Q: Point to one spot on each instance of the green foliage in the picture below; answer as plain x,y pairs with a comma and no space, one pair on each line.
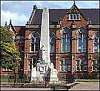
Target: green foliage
5,35
9,52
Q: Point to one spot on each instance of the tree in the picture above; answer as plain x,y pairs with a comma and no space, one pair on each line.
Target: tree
9,52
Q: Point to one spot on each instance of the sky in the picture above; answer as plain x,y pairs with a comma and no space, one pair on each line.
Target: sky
20,11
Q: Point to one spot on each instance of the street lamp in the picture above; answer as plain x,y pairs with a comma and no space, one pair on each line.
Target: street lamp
15,69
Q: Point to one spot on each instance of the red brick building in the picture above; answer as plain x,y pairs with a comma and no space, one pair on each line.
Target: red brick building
74,40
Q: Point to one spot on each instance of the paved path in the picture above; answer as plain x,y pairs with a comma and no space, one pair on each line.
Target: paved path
5,88
25,89
90,86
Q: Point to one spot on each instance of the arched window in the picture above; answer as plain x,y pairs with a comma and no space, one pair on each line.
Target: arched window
52,42
96,43
74,16
81,41
35,41
66,40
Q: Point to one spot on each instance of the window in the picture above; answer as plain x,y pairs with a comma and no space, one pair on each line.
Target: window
66,40
35,42
52,42
66,65
74,16
52,59
20,38
96,43
78,65
95,65
82,65
81,41
32,43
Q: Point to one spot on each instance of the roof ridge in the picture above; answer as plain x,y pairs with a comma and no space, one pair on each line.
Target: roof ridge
55,15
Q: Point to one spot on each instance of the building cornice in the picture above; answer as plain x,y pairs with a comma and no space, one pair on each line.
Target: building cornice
55,26
94,26
39,26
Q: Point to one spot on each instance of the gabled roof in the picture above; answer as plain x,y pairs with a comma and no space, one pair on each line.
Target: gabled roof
19,29
56,14
73,9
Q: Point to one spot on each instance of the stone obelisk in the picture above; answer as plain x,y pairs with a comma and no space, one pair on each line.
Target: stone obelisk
44,42
44,65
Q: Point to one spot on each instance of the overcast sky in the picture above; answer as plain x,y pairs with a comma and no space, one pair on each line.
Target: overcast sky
20,11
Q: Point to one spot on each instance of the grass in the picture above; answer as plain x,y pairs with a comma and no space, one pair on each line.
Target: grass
6,79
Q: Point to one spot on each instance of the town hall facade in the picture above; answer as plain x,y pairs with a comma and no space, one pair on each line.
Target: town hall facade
74,41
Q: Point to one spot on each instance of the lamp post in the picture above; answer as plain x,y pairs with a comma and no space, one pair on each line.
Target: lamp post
15,70
20,70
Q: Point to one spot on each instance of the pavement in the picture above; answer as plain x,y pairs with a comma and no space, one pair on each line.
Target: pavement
77,86
25,89
90,86
7,88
